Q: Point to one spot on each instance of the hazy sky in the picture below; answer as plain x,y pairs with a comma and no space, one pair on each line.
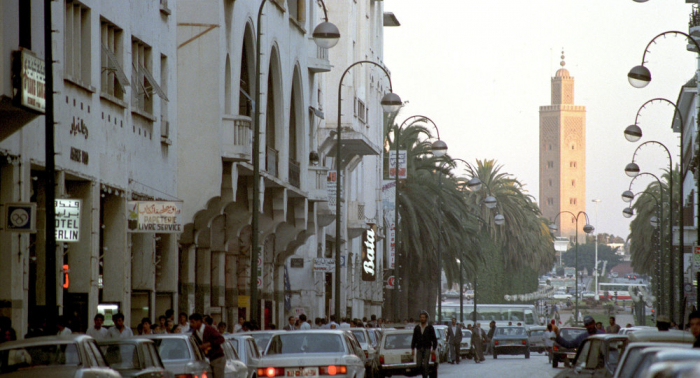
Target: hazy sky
482,69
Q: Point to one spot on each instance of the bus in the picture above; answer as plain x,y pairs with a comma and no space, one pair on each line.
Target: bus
607,290
500,313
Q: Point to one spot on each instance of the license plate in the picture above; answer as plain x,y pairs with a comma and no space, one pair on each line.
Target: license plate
571,356
406,358
303,372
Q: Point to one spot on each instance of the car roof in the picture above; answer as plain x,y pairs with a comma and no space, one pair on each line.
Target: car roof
397,331
675,353
607,336
237,336
45,340
673,335
134,340
167,336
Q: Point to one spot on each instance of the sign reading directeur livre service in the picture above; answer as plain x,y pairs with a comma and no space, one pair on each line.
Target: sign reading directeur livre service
32,81
154,216
68,220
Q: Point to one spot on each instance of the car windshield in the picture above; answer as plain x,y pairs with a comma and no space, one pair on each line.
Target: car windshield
510,331
360,336
234,344
466,334
121,356
40,355
373,337
398,341
172,349
261,339
615,349
306,342
569,334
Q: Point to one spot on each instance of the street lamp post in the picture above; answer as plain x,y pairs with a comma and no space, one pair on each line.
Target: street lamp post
587,228
391,103
438,151
640,77
326,35
596,201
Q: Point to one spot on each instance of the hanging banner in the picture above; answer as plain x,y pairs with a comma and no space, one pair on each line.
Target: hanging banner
388,199
155,216
68,220
402,164
369,257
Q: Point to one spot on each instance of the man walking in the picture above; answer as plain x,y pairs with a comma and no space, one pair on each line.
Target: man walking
425,341
119,331
478,336
612,328
290,326
98,332
694,320
489,337
454,340
210,341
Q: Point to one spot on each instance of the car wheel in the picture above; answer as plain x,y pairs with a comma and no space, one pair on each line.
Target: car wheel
495,355
527,354
434,373
555,363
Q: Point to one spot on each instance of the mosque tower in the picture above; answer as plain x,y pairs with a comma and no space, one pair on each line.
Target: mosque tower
563,156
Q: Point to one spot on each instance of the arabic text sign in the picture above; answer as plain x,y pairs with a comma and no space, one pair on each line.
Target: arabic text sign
68,220
402,164
324,265
33,89
155,216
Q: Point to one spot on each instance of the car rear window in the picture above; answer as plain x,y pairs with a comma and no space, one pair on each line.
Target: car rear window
398,341
172,349
41,355
510,331
360,336
311,342
121,356
569,334
536,333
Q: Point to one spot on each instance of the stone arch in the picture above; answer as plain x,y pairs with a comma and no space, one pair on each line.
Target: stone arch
227,85
247,73
296,117
274,115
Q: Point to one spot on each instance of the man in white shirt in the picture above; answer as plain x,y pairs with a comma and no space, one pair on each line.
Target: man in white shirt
304,324
119,331
184,324
98,332
239,326
61,324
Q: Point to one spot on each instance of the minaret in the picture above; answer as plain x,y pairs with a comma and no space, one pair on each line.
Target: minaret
563,156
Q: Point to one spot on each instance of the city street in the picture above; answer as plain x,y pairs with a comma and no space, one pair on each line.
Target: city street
504,366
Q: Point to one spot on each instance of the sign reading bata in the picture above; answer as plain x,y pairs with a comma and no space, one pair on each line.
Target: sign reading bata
155,216
369,258
68,220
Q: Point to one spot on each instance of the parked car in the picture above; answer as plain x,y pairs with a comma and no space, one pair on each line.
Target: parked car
395,356
651,356
559,353
375,334
597,357
638,341
137,357
262,338
235,368
443,348
247,351
465,348
54,356
470,294
371,354
536,335
510,340
180,354
675,369
560,295
628,330
312,353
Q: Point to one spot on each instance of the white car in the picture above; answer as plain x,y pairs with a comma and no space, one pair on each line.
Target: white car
395,355
561,295
312,354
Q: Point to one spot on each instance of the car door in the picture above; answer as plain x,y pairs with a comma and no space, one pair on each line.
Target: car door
158,367
355,356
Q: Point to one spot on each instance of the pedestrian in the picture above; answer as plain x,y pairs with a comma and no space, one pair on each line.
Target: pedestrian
62,325
171,327
146,327
239,326
291,326
182,323
425,341
599,326
454,341
221,327
7,333
591,329
489,337
119,331
373,321
694,320
162,326
97,331
304,324
209,320
170,315
549,337
555,329
663,323
478,337
674,325
210,341
613,327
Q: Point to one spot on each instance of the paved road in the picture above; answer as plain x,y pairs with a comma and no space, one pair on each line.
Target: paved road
505,366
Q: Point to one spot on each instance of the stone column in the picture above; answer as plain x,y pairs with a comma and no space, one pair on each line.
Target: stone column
186,287
116,272
202,298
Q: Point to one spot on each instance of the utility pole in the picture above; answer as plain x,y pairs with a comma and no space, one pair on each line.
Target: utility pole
596,201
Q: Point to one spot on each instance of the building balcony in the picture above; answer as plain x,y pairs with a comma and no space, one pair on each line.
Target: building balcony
357,222
318,58
318,177
272,162
354,145
237,142
294,174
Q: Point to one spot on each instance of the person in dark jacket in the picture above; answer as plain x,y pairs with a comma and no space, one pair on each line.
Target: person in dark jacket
694,320
454,340
425,341
489,337
210,341
591,329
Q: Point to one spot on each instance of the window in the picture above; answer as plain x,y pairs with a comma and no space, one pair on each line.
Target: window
361,111
77,42
573,182
550,147
113,79
164,123
550,201
572,201
550,164
145,85
550,182
297,10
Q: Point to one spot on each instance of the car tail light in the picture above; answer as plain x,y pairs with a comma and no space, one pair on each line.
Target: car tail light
366,354
332,370
432,357
270,372
204,375
524,342
556,348
381,358
186,376
495,342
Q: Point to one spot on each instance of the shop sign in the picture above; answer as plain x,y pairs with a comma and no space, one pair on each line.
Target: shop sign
322,264
369,257
32,87
155,216
20,217
296,262
68,220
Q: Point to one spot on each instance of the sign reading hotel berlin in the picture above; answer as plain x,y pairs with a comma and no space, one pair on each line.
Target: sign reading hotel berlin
154,216
32,89
369,257
68,220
